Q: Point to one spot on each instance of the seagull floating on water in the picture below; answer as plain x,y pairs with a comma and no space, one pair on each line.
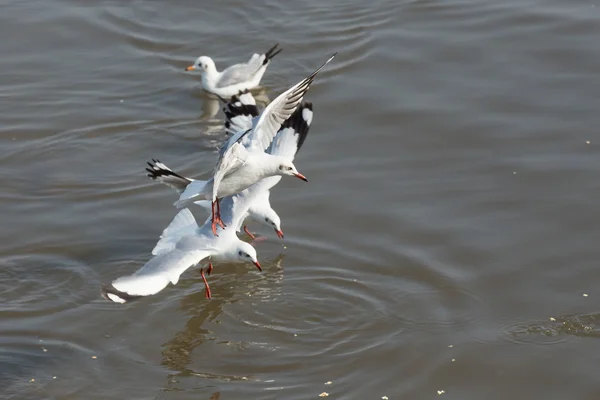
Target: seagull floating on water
243,161
184,244
240,111
235,78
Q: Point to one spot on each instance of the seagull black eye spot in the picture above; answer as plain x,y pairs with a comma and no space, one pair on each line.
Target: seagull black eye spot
267,220
240,253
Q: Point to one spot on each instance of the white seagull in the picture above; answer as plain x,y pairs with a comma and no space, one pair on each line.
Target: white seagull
243,161
235,78
184,244
240,112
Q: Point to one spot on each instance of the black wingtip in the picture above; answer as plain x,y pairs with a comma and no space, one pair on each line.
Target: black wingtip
272,52
232,110
298,123
155,172
105,290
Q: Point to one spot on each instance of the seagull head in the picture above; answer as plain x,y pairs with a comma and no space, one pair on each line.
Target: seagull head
247,253
288,168
271,218
202,64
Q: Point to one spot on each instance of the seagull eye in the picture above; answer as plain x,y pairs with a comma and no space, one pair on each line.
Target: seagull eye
289,168
240,253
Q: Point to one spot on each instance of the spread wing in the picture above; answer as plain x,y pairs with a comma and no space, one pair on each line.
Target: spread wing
183,224
232,156
293,132
154,276
279,110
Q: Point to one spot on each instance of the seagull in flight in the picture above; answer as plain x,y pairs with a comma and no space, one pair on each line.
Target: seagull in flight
184,244
240,111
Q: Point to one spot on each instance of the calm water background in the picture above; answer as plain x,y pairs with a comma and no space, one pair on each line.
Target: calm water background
452,207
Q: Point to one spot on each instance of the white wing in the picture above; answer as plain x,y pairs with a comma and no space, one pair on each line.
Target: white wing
154,276
279,110
231,161
182,225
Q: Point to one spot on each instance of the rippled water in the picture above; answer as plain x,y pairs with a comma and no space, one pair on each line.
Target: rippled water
442,247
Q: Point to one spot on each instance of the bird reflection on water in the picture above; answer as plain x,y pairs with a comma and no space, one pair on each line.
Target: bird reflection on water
177,353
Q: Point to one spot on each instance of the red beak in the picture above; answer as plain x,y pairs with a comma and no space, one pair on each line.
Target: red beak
279,233
300,176
258,265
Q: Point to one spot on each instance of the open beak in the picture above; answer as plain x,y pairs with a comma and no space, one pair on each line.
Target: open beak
190,68
279,233
258,265
300,176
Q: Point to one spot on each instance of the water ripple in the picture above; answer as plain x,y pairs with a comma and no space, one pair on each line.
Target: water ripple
48,284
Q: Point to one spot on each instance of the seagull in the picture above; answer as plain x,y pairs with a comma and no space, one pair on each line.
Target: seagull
184,244
236,77
243,161
240,111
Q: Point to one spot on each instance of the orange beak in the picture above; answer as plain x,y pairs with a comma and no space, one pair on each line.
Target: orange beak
190,68
279,233
300,176
258,265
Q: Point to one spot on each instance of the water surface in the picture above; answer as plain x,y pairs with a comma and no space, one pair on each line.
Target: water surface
452,208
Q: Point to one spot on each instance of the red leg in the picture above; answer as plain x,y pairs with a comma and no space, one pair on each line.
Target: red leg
214,220
248,233
206,287
209,269
219,220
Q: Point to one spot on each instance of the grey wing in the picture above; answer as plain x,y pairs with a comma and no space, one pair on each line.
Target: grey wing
238,73
279,110
293,132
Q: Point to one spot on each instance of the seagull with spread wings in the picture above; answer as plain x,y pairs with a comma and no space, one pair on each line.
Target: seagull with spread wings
239,112
184,244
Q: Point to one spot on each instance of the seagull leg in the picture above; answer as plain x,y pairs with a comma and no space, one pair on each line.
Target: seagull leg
206,287
219,220
209,269
248,233
214,219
